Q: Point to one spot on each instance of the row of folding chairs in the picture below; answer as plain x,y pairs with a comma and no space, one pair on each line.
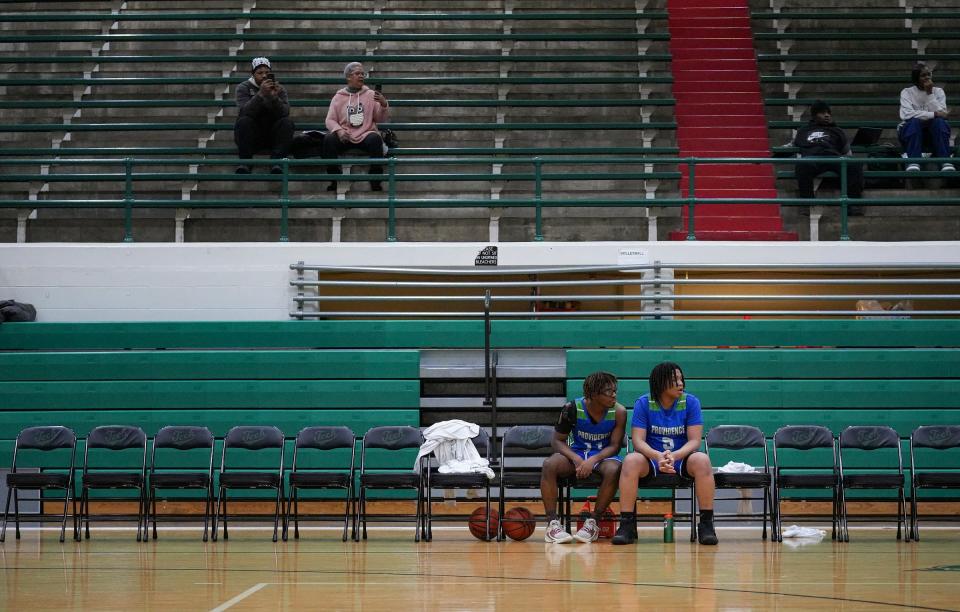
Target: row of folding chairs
149,477
811,458
522,450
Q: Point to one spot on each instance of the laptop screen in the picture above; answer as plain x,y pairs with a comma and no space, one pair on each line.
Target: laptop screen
867,136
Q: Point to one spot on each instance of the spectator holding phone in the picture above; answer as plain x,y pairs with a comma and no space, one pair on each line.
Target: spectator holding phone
263,119
352,121
924,112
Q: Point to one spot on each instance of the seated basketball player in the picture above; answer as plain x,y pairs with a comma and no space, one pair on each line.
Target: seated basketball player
667,427
588,437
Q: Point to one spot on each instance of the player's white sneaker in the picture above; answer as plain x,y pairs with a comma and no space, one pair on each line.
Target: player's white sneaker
588,533
556,533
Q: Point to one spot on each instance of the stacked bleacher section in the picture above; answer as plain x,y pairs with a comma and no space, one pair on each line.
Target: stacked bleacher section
857,58
476,93
488,81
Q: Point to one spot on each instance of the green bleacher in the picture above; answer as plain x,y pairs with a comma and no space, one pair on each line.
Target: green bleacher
360,373
766,373
463,81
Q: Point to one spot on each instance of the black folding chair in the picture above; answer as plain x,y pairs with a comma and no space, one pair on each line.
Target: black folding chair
116,459
523,449
388,471
746,444
818,470
882,469
248,439
338,473
934,464
35,446
179,444
470,481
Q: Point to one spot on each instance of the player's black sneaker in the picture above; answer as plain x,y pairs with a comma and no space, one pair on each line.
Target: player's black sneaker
706,533
626,532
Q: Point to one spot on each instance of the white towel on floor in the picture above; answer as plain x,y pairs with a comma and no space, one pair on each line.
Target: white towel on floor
795,536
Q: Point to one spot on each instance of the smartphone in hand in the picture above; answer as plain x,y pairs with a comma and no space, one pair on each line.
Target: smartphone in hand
378,87
271,77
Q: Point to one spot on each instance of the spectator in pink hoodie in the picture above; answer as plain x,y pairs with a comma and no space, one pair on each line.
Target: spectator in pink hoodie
352,122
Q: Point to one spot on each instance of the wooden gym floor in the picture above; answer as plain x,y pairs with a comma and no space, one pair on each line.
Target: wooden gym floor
112,571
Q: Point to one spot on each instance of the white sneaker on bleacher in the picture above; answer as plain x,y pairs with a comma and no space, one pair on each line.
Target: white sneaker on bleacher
913,168
947,167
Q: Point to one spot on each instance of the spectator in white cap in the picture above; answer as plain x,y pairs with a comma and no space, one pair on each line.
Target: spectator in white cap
352,121
263,117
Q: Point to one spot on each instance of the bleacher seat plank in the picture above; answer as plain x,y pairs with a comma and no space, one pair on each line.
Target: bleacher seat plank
206,365
775,395
208,394
919,333
771,363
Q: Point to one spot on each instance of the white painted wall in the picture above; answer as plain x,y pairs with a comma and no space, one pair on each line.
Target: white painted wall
250,281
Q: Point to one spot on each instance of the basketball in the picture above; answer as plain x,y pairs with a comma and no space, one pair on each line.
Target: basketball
478,524
519,524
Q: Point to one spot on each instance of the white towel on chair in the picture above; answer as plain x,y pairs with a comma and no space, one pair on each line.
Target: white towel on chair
735,467
451,442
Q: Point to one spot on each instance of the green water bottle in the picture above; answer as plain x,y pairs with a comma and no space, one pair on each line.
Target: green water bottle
668,528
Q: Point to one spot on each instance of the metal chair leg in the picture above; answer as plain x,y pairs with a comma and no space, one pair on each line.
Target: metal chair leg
207,510
6,514
276,514
16,512
63,521
216,513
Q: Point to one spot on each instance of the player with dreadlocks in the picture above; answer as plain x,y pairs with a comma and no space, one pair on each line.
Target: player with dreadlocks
667,427
587,440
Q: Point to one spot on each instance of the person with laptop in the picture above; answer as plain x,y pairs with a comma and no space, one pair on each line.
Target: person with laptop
821,137
924,112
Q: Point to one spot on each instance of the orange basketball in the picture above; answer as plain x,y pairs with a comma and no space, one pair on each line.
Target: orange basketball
479,526
519,523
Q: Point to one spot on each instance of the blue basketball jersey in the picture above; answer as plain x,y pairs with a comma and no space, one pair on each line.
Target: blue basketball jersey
667,427
587,437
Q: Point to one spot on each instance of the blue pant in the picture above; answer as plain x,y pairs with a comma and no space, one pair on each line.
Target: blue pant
912,133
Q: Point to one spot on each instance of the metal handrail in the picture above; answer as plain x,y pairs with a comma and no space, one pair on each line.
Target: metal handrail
662,301
391,202
650,314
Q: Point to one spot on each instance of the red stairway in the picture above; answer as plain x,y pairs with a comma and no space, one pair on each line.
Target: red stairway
720,113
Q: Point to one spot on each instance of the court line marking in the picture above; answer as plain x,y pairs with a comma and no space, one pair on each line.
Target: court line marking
231,602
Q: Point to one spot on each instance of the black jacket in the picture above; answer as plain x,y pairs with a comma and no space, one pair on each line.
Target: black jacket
816,140
252,105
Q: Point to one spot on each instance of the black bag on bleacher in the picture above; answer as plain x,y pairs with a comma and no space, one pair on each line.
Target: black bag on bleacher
884,151
389,138
307,144
17,311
